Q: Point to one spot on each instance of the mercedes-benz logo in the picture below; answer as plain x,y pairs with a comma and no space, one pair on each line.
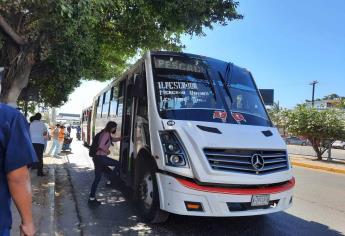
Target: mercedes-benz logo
258,162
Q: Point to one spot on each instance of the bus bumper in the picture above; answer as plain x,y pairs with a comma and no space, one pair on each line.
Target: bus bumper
176,195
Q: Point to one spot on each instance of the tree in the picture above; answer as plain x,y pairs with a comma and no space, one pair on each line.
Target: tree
318,127
52,45
331,96
279,117
341,104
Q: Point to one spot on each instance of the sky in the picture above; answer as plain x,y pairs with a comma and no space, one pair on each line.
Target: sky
285,44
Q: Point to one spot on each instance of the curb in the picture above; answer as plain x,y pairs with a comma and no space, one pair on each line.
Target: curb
51,197
318,167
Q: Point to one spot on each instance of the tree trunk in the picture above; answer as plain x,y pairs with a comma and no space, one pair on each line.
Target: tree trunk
16,77
318,153
16,56
316,146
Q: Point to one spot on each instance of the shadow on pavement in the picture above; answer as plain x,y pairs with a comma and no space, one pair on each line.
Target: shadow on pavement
118,216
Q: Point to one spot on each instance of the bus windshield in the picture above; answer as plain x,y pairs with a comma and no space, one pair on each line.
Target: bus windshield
190,89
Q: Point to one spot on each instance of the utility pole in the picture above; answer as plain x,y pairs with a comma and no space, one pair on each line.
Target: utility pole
313,84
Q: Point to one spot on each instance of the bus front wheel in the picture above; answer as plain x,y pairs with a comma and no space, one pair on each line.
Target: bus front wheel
148,198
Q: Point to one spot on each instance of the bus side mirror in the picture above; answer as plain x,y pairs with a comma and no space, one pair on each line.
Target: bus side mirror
267,96
139,86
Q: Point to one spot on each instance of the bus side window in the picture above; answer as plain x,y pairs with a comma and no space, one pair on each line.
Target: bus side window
99,106
120,100
142,134
106,102
120,107
113,103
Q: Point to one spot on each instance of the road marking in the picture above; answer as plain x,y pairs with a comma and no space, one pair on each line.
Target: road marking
321,168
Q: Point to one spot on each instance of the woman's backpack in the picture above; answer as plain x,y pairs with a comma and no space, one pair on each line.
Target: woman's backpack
94,145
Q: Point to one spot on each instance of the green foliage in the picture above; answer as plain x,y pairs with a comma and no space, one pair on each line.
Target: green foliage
341,104
94,39
317,126
279,116
331,96
29,108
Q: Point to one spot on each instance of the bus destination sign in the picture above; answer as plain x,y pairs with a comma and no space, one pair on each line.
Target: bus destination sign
174,64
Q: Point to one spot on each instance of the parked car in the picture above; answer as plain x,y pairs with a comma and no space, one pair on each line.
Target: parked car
339,144
296,141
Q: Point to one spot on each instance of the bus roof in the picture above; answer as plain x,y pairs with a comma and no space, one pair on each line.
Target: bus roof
170,53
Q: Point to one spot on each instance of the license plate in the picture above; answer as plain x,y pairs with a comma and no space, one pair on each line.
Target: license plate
260,200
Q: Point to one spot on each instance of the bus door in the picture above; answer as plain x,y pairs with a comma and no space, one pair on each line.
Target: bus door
126,144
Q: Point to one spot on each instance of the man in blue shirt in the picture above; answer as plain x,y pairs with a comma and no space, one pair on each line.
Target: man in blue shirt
16,152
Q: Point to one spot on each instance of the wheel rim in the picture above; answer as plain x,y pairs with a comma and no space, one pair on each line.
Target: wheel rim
146,191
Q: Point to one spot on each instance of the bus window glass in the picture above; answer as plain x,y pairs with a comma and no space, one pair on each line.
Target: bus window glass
244,97
113,102
120,107
184,89
105,107
107,96
114,93
113,107
203,90
99,107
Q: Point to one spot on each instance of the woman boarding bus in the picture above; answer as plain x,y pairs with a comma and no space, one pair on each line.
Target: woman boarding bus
200,139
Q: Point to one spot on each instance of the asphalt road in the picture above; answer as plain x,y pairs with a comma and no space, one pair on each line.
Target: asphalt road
319,209
308,151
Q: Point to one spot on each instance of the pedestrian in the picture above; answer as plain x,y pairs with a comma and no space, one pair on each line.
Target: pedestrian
16,152
38,133
55,140
101,160
61,138
31,119
69,129
78,135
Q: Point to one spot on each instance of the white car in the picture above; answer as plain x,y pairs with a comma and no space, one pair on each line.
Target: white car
339,144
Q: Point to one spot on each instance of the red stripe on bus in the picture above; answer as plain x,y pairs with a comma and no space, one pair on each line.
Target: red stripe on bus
239,191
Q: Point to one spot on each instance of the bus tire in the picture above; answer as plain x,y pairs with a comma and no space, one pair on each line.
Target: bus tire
148,198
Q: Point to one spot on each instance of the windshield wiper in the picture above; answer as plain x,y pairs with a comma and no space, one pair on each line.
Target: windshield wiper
211,83
225,85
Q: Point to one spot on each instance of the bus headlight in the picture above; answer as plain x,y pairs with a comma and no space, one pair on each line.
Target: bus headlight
177,160
175,155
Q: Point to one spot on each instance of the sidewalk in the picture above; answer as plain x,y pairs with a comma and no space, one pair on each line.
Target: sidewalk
334,166
43,191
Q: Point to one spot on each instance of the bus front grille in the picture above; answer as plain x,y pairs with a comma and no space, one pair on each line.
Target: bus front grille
257,162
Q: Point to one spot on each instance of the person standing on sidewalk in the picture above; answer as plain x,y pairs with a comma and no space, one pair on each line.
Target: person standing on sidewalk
16,152
38,133
55,140
101,160
61,138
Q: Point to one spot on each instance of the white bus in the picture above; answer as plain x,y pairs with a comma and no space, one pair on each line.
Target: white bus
200,140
